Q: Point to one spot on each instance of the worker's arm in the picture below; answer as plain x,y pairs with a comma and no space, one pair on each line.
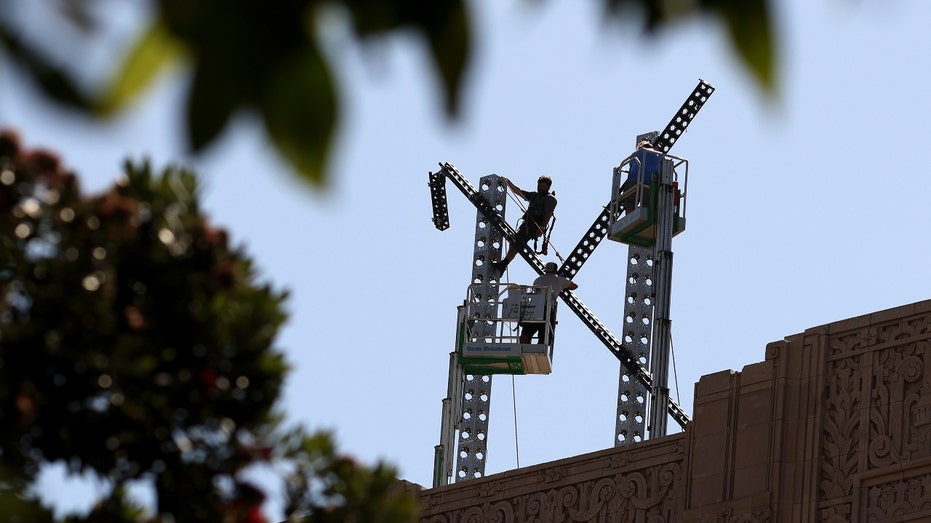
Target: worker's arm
517,190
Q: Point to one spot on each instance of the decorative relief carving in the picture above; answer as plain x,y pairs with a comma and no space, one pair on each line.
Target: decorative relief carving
584,504
897,384
492,489
772,351
681,448
898,498
911,328
892,382
917,406
839,446
849,342
554,475
621,460
643,495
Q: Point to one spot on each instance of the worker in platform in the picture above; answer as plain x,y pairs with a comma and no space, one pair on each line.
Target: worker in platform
557,284
540,207
644,168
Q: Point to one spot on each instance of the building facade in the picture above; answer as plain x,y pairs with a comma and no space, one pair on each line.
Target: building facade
833,426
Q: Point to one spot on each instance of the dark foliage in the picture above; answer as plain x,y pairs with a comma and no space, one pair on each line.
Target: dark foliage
135,343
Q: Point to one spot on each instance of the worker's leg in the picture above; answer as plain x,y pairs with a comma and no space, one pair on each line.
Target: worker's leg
522,236
528,330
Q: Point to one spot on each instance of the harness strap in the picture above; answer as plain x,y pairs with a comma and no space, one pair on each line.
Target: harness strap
546,237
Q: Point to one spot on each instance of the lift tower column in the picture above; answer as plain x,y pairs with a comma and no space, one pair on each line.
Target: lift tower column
649,275
639,299
473,391
650,203
662,271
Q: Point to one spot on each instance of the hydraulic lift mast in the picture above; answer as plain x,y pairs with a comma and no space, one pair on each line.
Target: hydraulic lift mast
649,281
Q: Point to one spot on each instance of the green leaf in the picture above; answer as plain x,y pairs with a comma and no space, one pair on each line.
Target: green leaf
213,98
450,46
749,27
53,81
299,107
152,52
444,25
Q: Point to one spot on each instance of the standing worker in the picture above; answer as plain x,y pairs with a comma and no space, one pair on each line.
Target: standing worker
644,169
539,211
557,284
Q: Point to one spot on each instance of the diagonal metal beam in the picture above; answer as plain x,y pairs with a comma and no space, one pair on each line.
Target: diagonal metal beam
683,117
586,246
663,142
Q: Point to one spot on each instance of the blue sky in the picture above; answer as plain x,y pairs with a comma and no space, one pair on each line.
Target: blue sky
801,211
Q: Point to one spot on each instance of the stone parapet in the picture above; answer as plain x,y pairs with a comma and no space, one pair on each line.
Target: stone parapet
642,482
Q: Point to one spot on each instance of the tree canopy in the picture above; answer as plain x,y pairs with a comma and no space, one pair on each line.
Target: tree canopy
137,344
267,57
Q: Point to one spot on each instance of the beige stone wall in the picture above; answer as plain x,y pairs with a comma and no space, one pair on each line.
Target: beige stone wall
834,425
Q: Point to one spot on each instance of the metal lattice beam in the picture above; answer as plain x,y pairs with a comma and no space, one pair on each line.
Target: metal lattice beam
683,117
476,391
586,246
